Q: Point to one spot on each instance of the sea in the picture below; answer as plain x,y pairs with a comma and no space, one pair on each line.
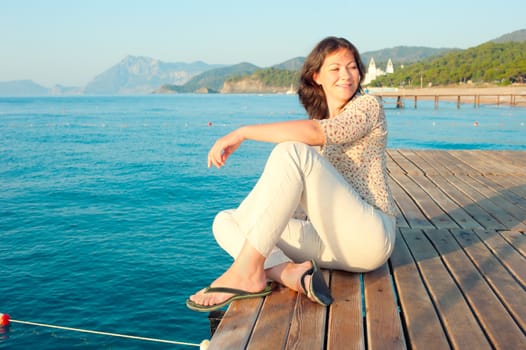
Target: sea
106,204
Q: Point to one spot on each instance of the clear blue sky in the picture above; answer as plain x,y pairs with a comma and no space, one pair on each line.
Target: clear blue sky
69,42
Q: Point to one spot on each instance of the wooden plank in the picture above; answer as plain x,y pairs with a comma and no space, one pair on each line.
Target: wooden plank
514,184
499,206
307,328
412,213
392,166
346,328
462,183
401,221
271,329
515,157
507,163
462,196
517,240
472,159
437,162
475,160
448,163
384,329
425,203
502,162
421,162
508,201
404,163
462,328
520,184
513,261
498,183
422,324
236,326
502,282
453,216
434,160
499,326
449,201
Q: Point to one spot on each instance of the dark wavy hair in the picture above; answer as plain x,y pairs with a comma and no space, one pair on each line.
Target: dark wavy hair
311,94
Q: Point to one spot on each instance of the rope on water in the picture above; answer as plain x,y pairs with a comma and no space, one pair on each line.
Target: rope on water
203,345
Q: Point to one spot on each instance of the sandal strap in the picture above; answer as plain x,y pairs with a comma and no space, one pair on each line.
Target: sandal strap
309,272
232,290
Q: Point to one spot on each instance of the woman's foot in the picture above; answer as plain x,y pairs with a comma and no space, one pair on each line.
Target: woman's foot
245,282
303,278
315,287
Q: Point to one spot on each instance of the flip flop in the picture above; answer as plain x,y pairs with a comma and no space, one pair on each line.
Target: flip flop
238,294
317,288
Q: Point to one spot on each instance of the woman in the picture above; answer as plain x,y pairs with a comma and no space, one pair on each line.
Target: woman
340,186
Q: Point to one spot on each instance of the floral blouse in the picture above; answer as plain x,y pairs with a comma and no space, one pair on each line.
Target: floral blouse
355,142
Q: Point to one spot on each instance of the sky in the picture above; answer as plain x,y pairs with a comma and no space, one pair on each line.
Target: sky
69,42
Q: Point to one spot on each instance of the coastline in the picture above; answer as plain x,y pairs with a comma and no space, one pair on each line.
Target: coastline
487,95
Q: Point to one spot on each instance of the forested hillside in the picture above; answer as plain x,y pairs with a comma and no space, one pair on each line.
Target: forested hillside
497,63
272,77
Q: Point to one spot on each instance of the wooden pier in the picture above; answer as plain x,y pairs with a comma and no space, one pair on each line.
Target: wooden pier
456,280
399,99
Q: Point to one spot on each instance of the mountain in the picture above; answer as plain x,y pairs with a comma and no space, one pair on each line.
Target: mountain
22,88
293,64
516,36
210,80
248,78
141,75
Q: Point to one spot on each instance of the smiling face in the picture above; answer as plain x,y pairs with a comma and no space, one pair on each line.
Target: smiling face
339,78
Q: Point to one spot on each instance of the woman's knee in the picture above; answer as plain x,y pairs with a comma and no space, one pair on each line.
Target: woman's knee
297,153
227,233
222,224
291,147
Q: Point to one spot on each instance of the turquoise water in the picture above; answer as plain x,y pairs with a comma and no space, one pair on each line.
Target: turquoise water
106,204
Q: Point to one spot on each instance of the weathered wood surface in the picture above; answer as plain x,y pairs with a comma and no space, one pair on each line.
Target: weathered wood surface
456,279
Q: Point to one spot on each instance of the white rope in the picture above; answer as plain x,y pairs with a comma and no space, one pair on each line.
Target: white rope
203,345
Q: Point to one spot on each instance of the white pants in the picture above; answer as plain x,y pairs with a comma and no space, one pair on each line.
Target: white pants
342,230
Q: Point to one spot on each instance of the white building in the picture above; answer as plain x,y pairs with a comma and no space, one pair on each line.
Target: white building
374,72
389,69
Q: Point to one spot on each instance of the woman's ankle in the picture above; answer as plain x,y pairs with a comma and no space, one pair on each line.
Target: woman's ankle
289,274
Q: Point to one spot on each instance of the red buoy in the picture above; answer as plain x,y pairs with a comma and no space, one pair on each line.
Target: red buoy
4,320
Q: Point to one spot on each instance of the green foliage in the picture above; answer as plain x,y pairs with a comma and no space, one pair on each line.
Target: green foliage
214,79
277,77
271,77
500,63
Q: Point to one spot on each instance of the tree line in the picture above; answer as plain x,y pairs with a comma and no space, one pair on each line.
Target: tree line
497,63
271,77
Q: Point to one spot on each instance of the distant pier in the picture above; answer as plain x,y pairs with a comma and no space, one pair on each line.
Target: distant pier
401,98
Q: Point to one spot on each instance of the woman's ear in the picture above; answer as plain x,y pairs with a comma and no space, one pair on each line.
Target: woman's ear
315,78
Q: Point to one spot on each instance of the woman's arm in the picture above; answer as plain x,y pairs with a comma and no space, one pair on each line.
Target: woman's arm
306,131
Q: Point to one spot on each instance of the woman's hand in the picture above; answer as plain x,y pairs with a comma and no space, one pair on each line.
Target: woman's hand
223,148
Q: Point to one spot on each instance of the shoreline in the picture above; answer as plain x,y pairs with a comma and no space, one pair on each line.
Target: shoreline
486,95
